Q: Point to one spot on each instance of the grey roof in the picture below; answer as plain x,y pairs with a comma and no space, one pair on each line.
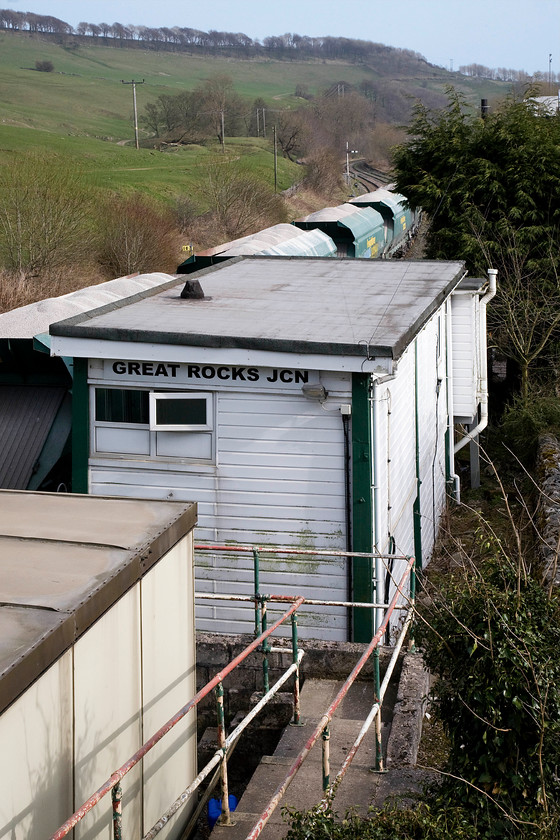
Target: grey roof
26,416
35,318
64,560
343,307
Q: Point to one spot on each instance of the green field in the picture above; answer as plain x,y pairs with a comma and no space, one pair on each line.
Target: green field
83,112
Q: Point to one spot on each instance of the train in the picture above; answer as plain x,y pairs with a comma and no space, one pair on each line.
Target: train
375,225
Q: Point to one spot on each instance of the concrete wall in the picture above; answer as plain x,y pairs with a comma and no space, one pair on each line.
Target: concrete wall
91,710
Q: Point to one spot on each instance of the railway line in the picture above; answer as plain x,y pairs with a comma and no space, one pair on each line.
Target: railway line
370,177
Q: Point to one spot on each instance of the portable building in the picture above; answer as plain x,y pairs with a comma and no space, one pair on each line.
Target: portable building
304,403
97,652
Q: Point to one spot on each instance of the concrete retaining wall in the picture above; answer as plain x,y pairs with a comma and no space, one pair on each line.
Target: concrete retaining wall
548,479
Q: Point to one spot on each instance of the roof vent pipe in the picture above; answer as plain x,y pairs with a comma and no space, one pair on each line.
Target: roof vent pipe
192,290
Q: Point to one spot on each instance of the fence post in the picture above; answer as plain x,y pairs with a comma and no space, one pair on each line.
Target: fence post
295,661
116,796
377,692
413,584
257,584
225,817
265,646
326,758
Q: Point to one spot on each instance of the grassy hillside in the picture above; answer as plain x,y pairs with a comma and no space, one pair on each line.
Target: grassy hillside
84,94
165,175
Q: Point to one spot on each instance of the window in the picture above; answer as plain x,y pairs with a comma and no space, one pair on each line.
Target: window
167,425
180,412
115,406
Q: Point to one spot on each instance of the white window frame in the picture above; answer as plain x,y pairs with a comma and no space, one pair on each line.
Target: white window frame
156,396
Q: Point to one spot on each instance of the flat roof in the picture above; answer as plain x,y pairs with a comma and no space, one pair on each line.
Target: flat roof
64,560
344,307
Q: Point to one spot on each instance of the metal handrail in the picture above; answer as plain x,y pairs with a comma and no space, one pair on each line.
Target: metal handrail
113,782
322,726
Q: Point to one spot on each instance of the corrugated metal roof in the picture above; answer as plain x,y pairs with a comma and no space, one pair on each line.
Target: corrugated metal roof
31,320
64,560
339,307
26,415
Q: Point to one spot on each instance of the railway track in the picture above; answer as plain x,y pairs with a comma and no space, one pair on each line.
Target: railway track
370,177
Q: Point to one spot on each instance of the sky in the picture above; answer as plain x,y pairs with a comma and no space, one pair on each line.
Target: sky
515,34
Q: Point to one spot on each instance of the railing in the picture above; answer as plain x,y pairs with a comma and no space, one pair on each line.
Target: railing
322,727
113,782
225,744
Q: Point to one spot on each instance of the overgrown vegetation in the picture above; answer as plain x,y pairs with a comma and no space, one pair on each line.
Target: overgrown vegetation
490,633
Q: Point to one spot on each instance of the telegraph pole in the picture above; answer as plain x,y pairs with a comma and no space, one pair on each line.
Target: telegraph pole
134,83
275,162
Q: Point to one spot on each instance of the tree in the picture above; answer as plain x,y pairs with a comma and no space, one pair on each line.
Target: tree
44,66
491,189
291,133
137,235
483,182
45,216
239,202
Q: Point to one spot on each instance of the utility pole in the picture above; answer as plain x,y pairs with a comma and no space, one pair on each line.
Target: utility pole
258,127
275,161
134,83
223,132
264,123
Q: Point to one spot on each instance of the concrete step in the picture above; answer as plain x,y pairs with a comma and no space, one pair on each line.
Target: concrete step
359,786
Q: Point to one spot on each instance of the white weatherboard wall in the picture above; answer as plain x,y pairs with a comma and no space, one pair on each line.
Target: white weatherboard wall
465,308
397,479
91,710
276,476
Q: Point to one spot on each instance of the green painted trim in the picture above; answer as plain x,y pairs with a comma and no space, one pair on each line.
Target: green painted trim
80,427
417,510
362,506
449,430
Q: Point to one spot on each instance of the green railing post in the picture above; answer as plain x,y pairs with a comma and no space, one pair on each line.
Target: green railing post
326,758
225,817
257,584
377,692
265,645
295,661
413,584
116,796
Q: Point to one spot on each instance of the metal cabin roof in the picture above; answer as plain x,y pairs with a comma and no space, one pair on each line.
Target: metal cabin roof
26,416
359,220
35,318
350,308
64,560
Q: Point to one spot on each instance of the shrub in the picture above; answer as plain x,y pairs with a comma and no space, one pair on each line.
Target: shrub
44,66
524,420
137,235
492,637
45,216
